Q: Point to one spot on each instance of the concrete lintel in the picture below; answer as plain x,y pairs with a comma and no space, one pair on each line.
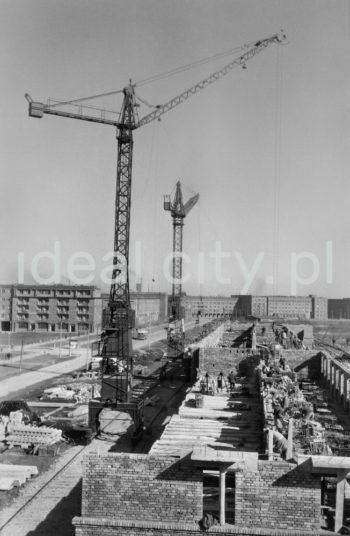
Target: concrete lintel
323,464
232,459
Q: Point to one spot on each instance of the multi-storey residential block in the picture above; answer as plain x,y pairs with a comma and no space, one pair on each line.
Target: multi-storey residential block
319,308
339,308
289,306
209,306
68,308
6,292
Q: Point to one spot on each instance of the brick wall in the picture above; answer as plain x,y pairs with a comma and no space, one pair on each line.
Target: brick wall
141,495
107,527
216,360
278,496
135,486
306,363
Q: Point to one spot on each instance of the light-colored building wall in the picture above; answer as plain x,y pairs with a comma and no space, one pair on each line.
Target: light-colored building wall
5,307
319,308
149,307
289,306
71,308
209,306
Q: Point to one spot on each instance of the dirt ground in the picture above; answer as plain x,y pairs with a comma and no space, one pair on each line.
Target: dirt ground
18,456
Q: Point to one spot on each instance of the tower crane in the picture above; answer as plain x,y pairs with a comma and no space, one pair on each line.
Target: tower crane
116,345
178,211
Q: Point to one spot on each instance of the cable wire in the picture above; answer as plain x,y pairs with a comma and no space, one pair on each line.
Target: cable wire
188,66
73,101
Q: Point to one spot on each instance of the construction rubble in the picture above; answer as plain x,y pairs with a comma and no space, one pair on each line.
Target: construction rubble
79,392
298,411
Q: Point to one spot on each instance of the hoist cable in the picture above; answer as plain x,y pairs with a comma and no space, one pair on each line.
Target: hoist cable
188,66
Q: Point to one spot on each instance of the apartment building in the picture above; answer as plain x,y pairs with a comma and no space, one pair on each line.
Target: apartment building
6,292
289,306
319,308
71,308
209,306
339,308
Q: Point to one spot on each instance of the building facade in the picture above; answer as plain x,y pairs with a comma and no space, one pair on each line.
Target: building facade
339,308
149,307
6,292
250,305
209,306
289,306
245,305
49,308
319,308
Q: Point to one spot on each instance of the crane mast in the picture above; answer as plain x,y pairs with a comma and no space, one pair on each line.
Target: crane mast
178,211
115,344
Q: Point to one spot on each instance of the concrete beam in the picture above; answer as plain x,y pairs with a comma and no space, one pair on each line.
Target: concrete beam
339,505
222,496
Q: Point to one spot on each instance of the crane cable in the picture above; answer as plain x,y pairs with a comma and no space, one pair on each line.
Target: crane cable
277,174
155,78
186,67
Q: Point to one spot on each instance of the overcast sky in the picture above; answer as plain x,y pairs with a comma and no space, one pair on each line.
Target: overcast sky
267,148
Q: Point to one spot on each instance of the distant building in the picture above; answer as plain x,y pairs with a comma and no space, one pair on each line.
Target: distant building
6,292
249,305
209,306
149,307
46,308
303,307
289,306
319,308
339,308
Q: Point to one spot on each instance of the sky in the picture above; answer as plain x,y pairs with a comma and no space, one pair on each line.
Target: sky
266,147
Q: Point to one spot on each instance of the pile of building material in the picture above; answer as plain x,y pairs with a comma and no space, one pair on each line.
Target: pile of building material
15,475
58,393
77,392
15,431
140,370
27,435
80,414
10,406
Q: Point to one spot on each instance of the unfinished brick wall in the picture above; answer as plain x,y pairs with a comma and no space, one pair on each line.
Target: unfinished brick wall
91,527
278,496
229,337
141,495
141,487
306,363
215,360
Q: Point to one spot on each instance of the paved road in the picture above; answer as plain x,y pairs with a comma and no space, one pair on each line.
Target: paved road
81,359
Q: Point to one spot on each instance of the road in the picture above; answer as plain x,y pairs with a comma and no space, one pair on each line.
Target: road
80,360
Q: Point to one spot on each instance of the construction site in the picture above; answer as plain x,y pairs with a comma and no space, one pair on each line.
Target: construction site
228,426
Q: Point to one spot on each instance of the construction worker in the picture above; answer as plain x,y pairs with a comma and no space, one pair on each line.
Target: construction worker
232,380
219,381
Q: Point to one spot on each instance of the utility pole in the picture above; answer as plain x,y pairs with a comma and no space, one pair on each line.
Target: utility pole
21,356
87,352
